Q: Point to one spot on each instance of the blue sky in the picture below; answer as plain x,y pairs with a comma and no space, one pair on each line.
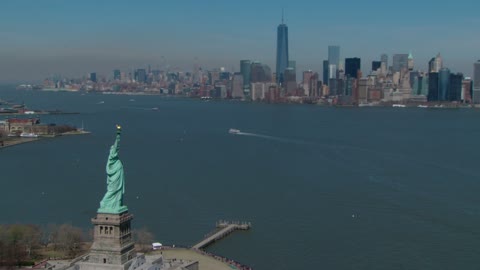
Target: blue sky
39,38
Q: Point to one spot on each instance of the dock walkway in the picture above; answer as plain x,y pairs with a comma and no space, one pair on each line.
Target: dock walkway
224,228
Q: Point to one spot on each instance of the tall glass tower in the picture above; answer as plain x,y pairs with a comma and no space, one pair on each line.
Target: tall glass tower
282,51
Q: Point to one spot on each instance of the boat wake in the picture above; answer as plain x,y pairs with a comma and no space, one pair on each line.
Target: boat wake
272,138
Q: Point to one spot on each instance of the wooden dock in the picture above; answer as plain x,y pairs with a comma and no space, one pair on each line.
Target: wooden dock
224,228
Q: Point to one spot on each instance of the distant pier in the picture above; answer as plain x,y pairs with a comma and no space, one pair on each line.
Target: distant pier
224,228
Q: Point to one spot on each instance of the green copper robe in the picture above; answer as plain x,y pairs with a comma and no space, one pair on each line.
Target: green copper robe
112,202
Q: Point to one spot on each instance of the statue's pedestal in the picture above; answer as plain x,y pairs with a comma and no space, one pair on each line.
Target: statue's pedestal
113,246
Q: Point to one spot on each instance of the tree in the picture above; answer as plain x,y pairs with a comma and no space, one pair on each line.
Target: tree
69,239
144,238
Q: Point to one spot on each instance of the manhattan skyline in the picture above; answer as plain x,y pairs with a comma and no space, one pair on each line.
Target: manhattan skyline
70,38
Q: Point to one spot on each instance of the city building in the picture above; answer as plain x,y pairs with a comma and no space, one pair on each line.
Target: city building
400,62
307,76
376,65
476,82
141,75
325,72
467,90
282,51
455,87
384,60
260,72
435,64
290,81
237,86
117,75
245,69
352,66
433,94
93,77
443,84
333,60
410,62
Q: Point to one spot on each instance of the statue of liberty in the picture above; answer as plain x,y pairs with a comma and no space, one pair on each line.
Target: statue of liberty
112,202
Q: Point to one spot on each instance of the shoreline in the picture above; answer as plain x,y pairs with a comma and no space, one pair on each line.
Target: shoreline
13,141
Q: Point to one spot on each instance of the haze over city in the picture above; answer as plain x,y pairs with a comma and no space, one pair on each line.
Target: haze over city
40,38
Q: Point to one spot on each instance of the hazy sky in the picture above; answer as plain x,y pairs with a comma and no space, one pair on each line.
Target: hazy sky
40,38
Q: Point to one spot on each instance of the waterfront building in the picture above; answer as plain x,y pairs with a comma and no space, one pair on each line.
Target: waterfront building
476,82
290,81
307,76
443,84
467,89
282,51
352,66
433,94
314,86
325,72
237,86
245,69
400,62
260,72
455,87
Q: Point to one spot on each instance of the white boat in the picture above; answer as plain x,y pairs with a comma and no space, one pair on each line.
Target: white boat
422,106
365,105
398,106
233,131
28,135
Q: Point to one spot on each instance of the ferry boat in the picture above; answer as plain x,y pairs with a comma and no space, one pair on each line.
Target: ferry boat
28,135
422,106
398,106
233,131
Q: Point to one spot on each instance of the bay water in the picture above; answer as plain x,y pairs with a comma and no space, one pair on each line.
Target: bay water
324,187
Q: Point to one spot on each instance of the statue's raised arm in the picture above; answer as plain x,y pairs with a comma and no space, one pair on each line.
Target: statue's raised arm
112,202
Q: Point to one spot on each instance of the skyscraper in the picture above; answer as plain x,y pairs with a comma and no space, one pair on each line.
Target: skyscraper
325,72
376,65
410,62
141,75
93,77
116,74
433,86
455,87
333,60
245,69
400,62
352,66
443,84
307,76
476,82
334,55
384,60
282,51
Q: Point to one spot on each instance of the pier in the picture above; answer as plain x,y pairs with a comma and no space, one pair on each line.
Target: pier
224,228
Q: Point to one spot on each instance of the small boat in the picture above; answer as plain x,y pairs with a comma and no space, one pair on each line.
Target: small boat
28,135
154,109
422,106
398,106
233,131
13,135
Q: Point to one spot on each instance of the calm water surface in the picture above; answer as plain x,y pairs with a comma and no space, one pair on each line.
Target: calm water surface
325,188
